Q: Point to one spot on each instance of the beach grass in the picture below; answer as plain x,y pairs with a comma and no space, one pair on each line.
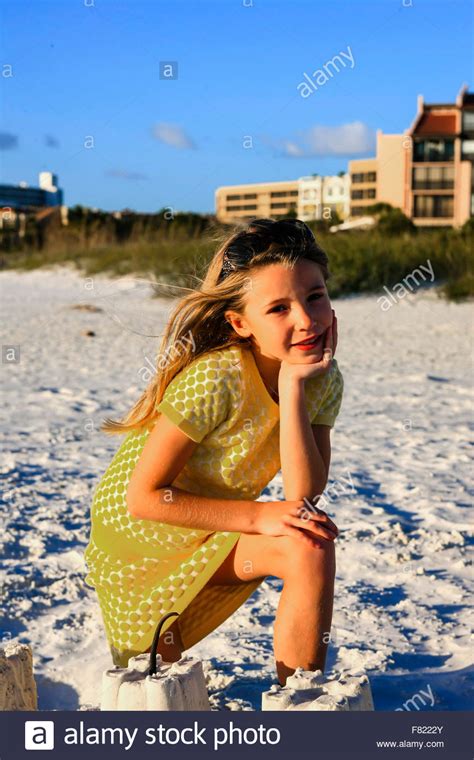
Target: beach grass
360,262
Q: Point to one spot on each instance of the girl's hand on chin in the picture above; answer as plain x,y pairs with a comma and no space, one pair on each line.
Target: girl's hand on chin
296,371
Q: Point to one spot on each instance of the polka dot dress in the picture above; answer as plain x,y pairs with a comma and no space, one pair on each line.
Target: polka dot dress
142,569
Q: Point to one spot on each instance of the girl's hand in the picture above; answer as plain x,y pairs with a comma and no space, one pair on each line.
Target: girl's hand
290,371
295,518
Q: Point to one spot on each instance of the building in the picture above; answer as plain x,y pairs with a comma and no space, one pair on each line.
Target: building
236,203
24,198
379,179
427,172
308,198
322,197
20,202
363,182
440,163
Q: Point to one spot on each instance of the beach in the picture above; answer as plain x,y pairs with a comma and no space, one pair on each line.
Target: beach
399,491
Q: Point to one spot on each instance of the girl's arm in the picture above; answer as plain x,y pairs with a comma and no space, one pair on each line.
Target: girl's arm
304,470
174,506
305,450
151,497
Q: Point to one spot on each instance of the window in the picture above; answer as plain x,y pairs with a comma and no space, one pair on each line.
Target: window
433,150
283,193
233,197
468,121
434,206
283,205
360,177
242,208
433,178
360,194
468,150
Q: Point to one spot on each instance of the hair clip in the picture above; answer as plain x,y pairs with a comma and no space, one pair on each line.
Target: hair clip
227,266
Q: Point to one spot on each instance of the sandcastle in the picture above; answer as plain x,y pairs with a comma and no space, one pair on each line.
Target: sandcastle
149,683
17,683
311,690
175,686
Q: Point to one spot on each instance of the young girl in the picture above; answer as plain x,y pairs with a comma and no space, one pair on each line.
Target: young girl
245,386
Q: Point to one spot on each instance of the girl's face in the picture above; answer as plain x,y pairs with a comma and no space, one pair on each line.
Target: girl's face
284,307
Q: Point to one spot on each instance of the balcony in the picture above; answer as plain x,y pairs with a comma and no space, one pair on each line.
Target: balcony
433,207
433,151
446,184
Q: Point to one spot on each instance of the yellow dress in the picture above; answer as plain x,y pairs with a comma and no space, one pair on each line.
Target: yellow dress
142,569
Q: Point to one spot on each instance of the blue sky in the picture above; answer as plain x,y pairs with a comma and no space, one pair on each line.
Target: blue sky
82,95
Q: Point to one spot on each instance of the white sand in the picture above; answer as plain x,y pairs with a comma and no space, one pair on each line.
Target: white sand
400,464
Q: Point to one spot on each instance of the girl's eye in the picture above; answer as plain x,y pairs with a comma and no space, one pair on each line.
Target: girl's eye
314,295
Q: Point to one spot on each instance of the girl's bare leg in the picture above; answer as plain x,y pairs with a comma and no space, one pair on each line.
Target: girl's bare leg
303,618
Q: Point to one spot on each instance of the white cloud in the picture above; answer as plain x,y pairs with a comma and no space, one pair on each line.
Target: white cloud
172,134
344,140
292,149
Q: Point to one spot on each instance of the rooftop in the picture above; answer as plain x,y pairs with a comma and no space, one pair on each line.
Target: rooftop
432,123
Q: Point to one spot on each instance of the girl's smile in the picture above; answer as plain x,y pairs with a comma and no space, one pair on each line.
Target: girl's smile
310,344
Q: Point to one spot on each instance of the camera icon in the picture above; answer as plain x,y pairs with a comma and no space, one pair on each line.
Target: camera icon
39,734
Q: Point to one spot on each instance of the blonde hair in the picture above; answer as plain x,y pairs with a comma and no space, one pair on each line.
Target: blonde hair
201,312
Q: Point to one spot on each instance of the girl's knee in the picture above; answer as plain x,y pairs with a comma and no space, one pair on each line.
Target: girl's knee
258,556
300,557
